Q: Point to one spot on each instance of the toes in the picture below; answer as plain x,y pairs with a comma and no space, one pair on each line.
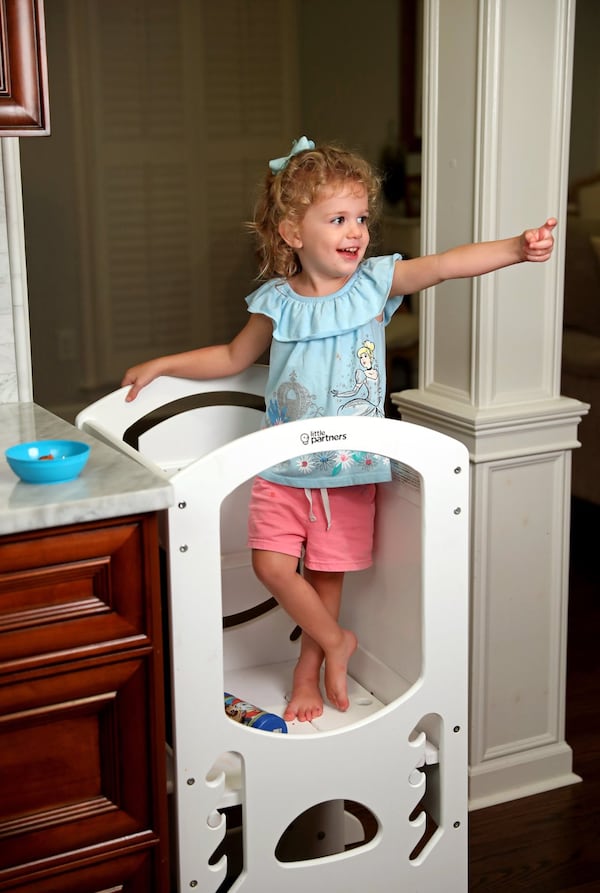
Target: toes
302,714
340,704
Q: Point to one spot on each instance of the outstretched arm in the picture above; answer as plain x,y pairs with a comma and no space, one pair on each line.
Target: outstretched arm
216,361
466,261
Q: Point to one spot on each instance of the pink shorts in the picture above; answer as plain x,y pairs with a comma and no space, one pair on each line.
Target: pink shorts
333,526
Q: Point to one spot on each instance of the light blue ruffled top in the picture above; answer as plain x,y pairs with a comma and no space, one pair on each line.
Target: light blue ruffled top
328,359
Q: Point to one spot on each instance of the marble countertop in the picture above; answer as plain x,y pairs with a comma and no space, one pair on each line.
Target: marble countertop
111,484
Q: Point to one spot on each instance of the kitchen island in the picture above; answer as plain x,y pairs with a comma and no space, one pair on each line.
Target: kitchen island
83,802
110,485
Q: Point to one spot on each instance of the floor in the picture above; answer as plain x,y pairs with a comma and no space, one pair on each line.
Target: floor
550,843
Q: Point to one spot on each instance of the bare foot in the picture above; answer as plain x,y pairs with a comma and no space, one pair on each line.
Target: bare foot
306,702
336,667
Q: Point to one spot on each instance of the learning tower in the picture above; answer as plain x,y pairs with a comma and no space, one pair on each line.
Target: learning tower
373,799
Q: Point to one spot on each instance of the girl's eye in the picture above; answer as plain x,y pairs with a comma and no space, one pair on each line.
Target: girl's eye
363,219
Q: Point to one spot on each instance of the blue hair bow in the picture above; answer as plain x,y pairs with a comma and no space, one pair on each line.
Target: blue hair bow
280,164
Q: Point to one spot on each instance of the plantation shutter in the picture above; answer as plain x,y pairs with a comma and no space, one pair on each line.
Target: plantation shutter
180,105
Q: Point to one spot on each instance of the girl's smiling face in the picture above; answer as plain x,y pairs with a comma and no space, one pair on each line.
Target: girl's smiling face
331,239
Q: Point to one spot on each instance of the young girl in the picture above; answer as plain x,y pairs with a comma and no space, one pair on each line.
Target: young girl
323,311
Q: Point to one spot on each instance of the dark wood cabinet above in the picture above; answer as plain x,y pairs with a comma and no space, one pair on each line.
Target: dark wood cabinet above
23,69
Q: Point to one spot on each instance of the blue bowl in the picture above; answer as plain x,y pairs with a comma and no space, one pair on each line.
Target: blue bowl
48,461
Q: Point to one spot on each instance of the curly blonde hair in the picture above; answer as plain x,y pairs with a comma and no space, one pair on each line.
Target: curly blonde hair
288,194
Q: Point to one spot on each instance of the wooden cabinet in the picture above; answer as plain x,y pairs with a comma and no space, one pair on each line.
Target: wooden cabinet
23,69
82,739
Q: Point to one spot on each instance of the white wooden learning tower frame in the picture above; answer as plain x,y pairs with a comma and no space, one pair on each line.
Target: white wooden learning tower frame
401,749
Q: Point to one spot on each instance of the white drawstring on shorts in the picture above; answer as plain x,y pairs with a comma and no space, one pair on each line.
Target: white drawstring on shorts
326,506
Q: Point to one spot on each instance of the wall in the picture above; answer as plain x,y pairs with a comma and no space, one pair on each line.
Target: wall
135,206
585,121
348,91
349,72
52,232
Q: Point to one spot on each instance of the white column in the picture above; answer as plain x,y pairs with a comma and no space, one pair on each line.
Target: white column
497,94
15,350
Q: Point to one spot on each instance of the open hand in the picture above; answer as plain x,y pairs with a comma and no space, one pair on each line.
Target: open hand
537,244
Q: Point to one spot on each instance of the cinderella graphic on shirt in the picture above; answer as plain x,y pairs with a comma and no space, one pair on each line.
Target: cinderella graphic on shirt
366,393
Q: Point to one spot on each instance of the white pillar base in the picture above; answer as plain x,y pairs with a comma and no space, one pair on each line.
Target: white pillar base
520,509
521,775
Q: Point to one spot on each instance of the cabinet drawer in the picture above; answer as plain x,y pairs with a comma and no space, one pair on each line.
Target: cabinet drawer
76,772
76,591
131,872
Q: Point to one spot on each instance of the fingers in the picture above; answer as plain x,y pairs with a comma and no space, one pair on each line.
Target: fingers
133,390
136,381
539,243
132,393
141,375
545,231
542,234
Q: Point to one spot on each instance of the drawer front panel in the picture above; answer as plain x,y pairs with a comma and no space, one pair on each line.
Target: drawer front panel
75,591
66,740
